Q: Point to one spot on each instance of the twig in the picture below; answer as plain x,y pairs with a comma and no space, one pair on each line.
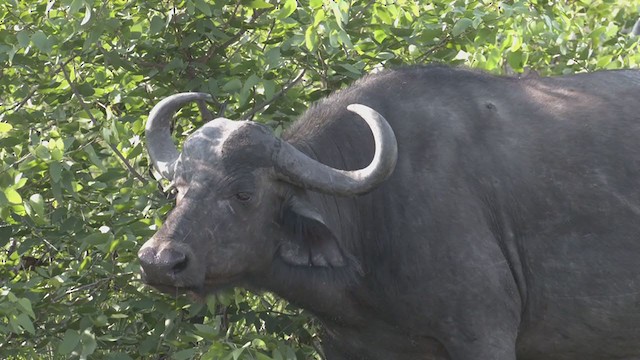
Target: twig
95,123
273,25
436,47
24,101
282,91
363,10
88,286
215,48
33,91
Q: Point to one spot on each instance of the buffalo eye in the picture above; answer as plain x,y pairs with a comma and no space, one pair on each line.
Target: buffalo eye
243,196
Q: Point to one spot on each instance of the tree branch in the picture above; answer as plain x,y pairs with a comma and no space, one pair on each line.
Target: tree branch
95,123
215,48
252,112
35,88
89,286
435,48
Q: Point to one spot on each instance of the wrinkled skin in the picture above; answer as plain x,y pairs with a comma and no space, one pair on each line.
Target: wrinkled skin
508,230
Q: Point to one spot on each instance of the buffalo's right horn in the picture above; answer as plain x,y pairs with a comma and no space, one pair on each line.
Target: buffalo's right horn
296,167
162,150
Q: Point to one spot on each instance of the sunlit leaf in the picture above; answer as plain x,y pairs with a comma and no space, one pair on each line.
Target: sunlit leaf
311,38
288,7
12,196
4,127
259,4
37,204
87,15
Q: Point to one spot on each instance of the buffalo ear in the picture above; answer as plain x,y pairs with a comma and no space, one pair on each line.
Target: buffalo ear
309,242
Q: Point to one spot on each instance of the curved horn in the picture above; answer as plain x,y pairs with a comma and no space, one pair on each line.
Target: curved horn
162,150
301,170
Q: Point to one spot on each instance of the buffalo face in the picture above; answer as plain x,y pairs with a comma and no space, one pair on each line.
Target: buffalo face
223,224
241,201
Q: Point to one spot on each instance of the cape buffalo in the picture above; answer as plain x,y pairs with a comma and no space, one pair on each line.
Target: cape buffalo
504,224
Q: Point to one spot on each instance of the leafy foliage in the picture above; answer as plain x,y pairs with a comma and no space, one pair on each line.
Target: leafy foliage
76,195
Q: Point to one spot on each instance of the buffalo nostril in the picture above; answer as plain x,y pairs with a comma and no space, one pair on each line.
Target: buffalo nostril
165,264
173,260
180,264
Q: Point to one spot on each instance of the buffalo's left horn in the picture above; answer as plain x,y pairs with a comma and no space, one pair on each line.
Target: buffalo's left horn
296,167
162,150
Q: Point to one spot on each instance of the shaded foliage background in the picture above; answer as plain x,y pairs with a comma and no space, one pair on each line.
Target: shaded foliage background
76,196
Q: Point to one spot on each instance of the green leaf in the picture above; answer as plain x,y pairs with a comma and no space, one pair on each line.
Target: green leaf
25,305
259,4
5,232
515,60
4,127
233,85
516,43
42,152
288,8
87,14
24,38
69,342
461,26
137,150
89,344
55,171
184,354
203,7
272,57
340,18
75,6
42,42
315,4
350,68
604,60
85,89
383,14
252,81
12,196
157,25
94,158
37,204
319,17
311,38
25,323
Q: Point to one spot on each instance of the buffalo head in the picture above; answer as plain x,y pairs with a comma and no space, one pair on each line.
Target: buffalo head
240,200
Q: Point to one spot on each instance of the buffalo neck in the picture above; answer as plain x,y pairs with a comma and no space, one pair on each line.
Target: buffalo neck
328,292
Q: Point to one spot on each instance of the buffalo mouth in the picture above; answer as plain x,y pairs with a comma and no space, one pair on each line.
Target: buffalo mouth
208,287
176,290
